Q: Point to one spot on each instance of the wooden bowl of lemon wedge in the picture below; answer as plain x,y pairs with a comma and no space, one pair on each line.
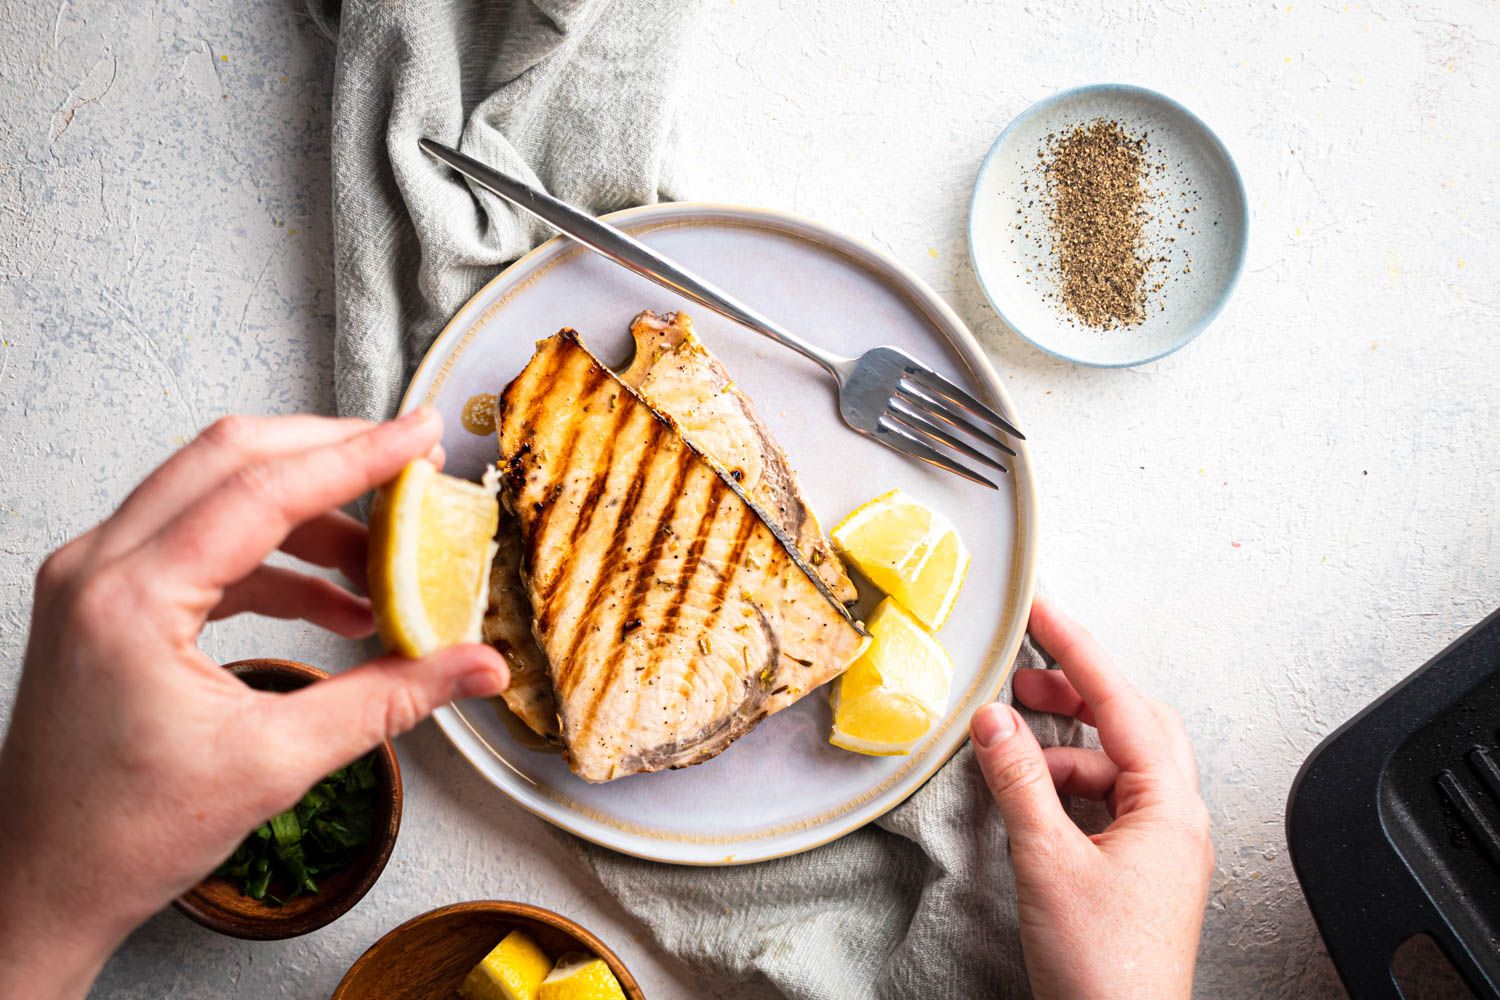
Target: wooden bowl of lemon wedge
489,950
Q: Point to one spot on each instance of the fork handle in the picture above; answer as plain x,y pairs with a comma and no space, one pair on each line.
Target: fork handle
624,250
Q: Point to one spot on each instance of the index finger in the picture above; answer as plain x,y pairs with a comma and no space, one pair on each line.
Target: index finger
194,470
227,533
1130,732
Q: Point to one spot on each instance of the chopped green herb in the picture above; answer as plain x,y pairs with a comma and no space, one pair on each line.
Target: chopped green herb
316,837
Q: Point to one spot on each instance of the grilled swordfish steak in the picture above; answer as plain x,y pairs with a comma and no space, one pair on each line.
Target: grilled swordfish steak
678,376
673,613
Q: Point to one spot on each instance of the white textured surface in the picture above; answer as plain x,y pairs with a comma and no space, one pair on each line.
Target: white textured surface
1269,528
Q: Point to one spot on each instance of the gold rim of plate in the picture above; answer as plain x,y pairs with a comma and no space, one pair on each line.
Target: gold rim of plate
948,736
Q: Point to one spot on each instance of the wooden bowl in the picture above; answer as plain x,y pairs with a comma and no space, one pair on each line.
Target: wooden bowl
219,904
429,956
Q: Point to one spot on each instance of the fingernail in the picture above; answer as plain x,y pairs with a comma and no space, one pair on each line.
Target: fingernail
993,723
479,684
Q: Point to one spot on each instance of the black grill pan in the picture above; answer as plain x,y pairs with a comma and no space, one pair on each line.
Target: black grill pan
1393,823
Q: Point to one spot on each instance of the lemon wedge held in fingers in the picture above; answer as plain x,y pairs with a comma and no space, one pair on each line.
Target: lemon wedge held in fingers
581,977
908,550
513,970
896,691
432,539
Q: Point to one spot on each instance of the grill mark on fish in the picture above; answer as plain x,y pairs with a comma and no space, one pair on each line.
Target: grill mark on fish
566,669
515,400
721,588
584,519
645,573
590,385
533,402
526,406
690,566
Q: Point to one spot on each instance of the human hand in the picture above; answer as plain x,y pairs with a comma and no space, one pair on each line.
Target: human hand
1116,914
135,764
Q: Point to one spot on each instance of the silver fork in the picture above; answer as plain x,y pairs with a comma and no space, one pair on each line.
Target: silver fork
884,394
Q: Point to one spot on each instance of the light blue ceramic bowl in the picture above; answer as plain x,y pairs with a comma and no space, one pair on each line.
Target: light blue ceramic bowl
1205,259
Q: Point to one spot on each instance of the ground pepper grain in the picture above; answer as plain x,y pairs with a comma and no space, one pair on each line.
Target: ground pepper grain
1095,185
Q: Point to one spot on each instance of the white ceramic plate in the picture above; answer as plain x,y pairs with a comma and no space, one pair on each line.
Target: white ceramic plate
1011,265
782,788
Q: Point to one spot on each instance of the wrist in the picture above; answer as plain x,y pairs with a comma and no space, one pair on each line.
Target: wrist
51,947
60,965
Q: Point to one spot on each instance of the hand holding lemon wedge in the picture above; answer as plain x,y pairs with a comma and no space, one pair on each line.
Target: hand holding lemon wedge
432,539
897,690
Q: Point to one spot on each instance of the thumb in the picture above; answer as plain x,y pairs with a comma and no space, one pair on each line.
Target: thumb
1017,774
337,720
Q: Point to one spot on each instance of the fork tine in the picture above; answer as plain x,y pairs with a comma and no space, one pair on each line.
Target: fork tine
914,420
936,408
933,382
893,436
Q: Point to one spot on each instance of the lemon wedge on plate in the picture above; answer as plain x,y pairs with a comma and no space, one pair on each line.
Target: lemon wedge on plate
513,970
581,977
432,538
893,694
908,550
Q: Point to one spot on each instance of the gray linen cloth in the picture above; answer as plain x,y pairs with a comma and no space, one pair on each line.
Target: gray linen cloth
575,96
